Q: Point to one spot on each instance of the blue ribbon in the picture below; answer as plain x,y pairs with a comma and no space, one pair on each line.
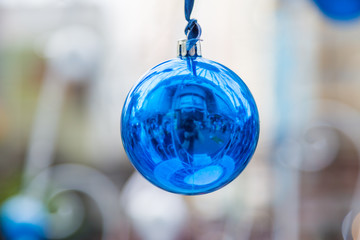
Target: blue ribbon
192,29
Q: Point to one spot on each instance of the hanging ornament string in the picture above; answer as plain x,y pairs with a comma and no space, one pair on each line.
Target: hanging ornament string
192,29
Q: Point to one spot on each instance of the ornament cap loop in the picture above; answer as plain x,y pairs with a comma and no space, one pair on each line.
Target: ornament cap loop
182,51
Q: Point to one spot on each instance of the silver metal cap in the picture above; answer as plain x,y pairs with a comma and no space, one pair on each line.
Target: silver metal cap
195,51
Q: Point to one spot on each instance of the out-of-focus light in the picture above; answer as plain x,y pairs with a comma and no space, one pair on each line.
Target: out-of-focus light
355,227
351,226
315,149
74,52
67,215
342,10
218,204
73,177
23,217
346,226
155,214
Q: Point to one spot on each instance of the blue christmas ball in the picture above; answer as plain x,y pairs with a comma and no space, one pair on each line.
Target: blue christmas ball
342,10
23,218
190,125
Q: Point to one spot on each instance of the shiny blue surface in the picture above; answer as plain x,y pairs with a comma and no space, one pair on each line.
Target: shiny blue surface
342,10
23,218
190,126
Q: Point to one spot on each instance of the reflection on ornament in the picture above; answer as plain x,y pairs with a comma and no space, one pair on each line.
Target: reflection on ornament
343,10
23,217
190,125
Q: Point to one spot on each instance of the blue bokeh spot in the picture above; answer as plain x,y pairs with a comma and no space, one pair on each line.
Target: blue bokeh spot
342,10
23,218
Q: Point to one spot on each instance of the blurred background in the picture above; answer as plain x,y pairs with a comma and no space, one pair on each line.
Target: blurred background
67,65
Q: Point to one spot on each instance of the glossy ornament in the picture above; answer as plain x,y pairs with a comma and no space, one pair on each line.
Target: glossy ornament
23,218
343,10
190,125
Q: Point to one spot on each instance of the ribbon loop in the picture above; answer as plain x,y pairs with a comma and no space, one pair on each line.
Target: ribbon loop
192,29
189,4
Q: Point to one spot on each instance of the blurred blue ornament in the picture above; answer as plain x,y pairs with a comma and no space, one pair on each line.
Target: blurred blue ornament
23,218
190,125
342,10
